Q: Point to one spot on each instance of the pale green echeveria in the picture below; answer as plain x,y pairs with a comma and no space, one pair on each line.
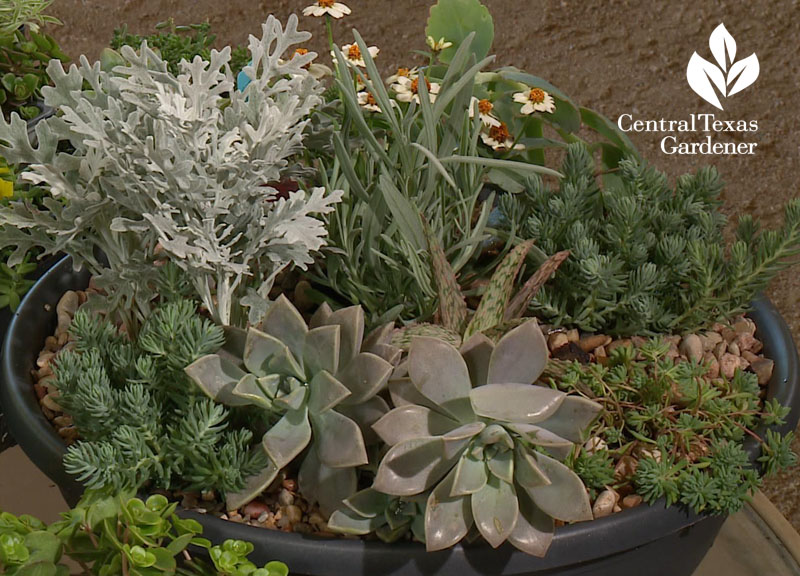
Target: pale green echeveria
391,518
320,382
470,427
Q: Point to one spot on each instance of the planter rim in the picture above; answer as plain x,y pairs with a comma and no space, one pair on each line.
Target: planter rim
573,544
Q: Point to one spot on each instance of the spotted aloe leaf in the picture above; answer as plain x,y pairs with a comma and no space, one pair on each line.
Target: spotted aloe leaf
452,305
491,310
519,303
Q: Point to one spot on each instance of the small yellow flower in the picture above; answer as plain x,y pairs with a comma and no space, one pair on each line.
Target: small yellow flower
352,54
500,139
407,88
438,46
484,110
6,189
367,101
323,7
535,100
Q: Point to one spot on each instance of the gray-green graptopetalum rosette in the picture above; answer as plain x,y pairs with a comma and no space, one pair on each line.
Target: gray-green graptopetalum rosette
471,429
319,384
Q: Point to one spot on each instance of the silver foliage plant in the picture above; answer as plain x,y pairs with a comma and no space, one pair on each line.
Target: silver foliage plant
180,163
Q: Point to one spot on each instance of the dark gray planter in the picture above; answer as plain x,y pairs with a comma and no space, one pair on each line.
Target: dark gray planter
651,540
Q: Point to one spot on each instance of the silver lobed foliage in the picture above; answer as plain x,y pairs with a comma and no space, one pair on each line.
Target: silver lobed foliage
180,163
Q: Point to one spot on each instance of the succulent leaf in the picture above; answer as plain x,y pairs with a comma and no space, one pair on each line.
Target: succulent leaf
470,476
254,486
565,498
522,299
320,316
502,465
439,372
366,415
456,441
572,418
348,522
403,337
524,403
527,472
411,467
217,377
403,393
368,503
256,390
288,438
534,531
520,356
265,354
329,487
452,305
351,322
496,509
286,324
321,350
338,440
539,436
325,392
365,375
477,353
410,422
447,518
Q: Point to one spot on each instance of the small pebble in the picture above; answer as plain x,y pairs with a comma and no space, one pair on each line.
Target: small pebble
711,340
51,344
600,352
290,484
589,342
750,357
713,365
255,509
594,444
294,514
573,335
749,343
763,368
616,344
733,348
728,364
604,505
631,501
745,326
557,340
625,468
49,402
68,303
720,349
692,347
285,498
263,517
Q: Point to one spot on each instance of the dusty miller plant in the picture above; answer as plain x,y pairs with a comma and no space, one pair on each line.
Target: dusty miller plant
182,163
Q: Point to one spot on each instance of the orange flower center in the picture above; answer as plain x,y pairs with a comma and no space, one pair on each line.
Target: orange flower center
415,85
326,3
536,96
301,51
402,72
499,133
371,100
484,106
353,53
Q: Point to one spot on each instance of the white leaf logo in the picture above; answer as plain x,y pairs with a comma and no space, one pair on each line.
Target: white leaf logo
727,77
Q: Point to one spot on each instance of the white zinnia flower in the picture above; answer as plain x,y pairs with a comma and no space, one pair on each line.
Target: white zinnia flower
367,101
535,100
499,139
352,54
407,88
402,73
323,7
484,110
438,46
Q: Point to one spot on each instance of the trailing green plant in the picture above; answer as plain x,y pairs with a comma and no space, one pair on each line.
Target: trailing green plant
121,534
180,42
471,431
203,196
140,419
318,387
682,433
24,53
645,258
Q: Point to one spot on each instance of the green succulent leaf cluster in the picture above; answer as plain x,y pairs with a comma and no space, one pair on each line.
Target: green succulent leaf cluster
471,432
634,239
685,431
391,518
110,535
139,417
318,383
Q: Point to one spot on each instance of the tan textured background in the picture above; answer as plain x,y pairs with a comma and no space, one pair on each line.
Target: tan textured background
616,57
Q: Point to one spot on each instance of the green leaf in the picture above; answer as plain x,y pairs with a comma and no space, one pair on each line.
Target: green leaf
454,20
406,216
452,305
448,518
496,509
609,130
565,498
491,310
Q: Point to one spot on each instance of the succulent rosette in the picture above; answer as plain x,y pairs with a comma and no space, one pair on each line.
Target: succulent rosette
471,428
320,381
